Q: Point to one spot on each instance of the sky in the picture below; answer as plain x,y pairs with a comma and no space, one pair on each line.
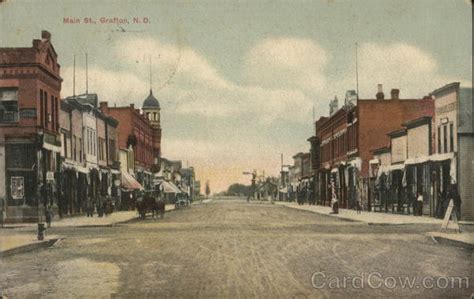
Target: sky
238,81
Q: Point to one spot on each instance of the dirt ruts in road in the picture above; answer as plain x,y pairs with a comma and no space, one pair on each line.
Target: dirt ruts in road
232,249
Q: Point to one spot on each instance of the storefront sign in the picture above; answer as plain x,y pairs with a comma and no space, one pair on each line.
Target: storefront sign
446,108
17,187
28,113
50,176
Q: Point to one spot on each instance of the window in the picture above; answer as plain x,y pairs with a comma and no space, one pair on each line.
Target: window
112,150
74,145
451,137
445,138
8,105
80,149
41,107
439,139
53,112
45,97
65,145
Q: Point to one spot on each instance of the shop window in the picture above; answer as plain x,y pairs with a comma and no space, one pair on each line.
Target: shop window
445,138
439,139
451,137
8,105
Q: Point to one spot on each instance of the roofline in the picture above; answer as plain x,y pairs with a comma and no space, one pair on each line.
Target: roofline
397,133
417,122
381,150
445,87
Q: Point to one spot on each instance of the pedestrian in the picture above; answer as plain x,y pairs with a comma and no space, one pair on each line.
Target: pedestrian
419,203
358,206
335,207
49,216
44,194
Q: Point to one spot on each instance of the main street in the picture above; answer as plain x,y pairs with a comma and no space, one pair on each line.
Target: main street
231,248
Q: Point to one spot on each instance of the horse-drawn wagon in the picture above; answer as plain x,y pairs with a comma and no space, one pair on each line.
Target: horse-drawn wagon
150,202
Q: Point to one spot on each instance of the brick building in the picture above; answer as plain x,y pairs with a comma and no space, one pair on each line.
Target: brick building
348,138
142,131
30,86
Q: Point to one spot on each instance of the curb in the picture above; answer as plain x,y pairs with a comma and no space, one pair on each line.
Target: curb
398,224
327,215
28,247
446,241
355,220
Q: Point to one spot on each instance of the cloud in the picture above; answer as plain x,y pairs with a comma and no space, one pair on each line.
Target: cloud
397,65
289,62
173,62
121,87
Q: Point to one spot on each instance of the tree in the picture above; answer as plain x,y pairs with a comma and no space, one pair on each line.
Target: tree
208,189
239,189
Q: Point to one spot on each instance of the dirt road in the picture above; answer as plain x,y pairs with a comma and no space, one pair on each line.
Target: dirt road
235,249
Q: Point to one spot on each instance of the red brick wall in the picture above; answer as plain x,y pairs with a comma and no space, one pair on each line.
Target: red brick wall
377,118
26,69
131,122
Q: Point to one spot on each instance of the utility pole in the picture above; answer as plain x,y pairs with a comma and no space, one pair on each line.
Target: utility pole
357,68
87,77
74,76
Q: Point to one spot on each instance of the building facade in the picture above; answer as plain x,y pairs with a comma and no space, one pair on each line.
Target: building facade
348,138
454,135
142,131
90,171
30,145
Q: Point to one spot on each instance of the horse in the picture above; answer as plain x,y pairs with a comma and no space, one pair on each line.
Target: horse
160,207
150,203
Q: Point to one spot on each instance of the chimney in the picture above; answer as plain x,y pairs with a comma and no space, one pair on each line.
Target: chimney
45,35
103,107
380,95
395,94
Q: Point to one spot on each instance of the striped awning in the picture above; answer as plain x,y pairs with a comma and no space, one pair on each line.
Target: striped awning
129,182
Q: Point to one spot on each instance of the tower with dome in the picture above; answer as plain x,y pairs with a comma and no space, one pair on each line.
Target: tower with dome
151,110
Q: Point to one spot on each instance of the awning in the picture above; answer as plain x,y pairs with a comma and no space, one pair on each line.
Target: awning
442,157
169,187
51,147
436,157
389,168
82,169
356,163
129,182
374,161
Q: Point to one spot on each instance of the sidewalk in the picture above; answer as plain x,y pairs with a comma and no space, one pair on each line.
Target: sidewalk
83,221
11,244
371,218
465,239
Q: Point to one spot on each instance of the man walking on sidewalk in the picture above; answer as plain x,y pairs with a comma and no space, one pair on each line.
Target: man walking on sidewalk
419,204
49,216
